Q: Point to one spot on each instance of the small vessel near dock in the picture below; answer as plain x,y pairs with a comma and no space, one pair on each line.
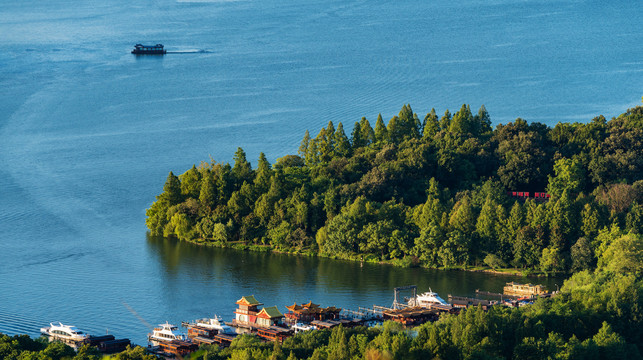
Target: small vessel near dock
75,338
166,333
140,49
427,298
214,324
66,333
167,340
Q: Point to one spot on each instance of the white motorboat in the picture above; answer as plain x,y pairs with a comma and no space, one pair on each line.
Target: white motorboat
427,298
166,333
215,323
299,327
64,332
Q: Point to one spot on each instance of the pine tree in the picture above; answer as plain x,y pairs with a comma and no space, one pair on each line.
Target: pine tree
356,137
431,126
342,145
330,133
325,145
242,170
381,133
172,190
303,147
394,130
445,120
208,194
590,220
264,172
312,155
484,120
487,223
367,133
462,122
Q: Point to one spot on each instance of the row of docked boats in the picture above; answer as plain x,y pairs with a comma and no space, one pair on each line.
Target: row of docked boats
168,340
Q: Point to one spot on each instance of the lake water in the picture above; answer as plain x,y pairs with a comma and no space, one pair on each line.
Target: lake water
88,132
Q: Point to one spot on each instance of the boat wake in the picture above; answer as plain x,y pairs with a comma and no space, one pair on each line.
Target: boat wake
195,51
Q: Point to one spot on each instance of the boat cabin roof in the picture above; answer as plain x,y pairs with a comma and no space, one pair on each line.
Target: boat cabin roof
149,46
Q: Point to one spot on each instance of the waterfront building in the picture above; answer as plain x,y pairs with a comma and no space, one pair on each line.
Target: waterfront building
306,313
247,312
269,316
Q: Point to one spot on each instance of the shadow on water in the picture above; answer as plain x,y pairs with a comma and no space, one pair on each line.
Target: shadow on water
302,278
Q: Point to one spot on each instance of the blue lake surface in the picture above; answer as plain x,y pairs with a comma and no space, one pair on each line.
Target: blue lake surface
88,131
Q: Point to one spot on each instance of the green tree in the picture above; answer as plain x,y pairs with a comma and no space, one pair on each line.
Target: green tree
487,223
342,145
590,221
551,260
381,133
303,146
172,190
634,219
263,174
208,194
445,120
431,126
581,254
484,120
365,129
191,183
624,255
463,122
356,137
570,176
242,170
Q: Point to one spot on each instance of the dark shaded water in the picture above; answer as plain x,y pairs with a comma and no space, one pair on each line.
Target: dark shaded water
88,132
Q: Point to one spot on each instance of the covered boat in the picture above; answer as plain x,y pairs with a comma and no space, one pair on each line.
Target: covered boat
140,49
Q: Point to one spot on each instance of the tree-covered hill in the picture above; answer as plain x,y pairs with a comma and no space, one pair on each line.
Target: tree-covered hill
426,190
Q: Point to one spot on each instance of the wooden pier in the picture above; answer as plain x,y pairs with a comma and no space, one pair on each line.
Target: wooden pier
501,296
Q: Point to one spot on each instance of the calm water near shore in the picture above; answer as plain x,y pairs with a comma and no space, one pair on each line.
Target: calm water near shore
88,132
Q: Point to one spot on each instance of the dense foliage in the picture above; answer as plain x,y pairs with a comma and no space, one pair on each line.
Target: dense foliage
22,347
430,192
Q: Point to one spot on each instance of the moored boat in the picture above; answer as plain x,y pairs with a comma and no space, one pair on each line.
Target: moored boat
66,333
214,323
166,333
426,299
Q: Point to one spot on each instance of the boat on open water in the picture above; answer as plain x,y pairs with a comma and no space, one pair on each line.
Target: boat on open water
140,49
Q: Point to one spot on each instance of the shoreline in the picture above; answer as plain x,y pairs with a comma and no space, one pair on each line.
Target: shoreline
393,262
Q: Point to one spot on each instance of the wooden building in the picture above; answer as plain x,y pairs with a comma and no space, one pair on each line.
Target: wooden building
177,347
246,314
274,333
198,331
411,316
269,316
517,289
464,302
306,313
224,339
319,324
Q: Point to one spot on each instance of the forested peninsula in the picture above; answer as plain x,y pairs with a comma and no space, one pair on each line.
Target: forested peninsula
435,191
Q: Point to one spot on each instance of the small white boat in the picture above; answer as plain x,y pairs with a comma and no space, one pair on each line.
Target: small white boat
64,332
299,327
215,323
427,298
166,333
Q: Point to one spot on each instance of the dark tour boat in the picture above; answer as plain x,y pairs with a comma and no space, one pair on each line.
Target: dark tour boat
140,49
